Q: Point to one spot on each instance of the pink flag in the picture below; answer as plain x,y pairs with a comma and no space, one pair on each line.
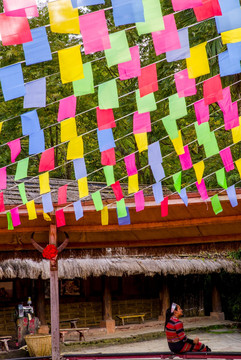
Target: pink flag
62,195
185,159
94,32
185,4
130,69
201,111
67,108
147,81
15,217
226,103
202,190
231,118
108,157
184,85
117,190
2,206
212,90
139,201
208,9
60,219
227,158
3,178
23,8
168,39
164,207
15,147
130,162
47,160
105,119
141,122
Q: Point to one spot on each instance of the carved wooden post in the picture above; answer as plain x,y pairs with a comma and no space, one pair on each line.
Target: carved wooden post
164,296
54,297
107,321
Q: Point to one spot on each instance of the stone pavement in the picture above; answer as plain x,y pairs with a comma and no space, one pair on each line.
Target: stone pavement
225,338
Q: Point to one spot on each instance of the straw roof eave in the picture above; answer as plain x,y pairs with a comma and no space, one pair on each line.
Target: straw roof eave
119,266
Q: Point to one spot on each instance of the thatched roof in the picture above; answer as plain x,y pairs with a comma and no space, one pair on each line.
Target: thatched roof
117,266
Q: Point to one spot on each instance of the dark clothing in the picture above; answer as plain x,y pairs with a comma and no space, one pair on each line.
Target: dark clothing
178,341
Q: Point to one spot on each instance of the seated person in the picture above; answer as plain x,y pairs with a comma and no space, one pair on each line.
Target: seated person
176,338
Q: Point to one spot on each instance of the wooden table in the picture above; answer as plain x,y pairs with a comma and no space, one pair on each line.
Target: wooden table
123,317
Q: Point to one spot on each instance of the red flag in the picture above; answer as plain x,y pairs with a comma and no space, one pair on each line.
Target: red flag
117,190
164,207
212,90
108,157
60,219
209,9
147,81
62,195
47,160
105,119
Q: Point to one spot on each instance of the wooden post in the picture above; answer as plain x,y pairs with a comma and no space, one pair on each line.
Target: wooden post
216,300
54,297
164,296
107,321
40,301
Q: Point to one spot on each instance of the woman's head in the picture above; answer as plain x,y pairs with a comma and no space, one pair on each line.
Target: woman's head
173,310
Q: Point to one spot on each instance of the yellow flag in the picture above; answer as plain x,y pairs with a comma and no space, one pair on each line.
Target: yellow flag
141,141
199,170
63,18
178,144
83,187
44,183
70,64
104,216
1,125
197,63
68,129
133,185
231,36
238,164
75,148
236,132
31,210
46,217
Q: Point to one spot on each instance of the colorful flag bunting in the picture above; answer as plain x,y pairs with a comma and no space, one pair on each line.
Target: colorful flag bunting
68,129
62,194
147,81
37,50
83,187
63,18
197,64
78,209
12,82
231,192
130,69
30,205
35,94
139,201
153,18
201,111
158,192
15,148
104,216
185,86
14,30
212,90
217,207
199,170
60,219
227,159
146,103
22,169
105,139
109,175
141,141
108,95
47,160
79,168
130,162
86,85
168,39
207,10
70,64
105,119
117,190
67,108
75,148
94,32
184,51
96,197
133,184
108,157
127,12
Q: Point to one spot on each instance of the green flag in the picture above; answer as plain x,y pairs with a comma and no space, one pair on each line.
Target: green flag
96,197
121,208
217,208
119,51
170,125
177,106
145,103
211,146
203,132
153,18
10,223
221,178
86,85
109,174
177,179
108,95
22,192
22,169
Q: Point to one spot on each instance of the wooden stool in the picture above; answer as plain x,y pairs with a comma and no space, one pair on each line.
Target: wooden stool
4,342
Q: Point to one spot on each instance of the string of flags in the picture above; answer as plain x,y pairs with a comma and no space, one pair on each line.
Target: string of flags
148,19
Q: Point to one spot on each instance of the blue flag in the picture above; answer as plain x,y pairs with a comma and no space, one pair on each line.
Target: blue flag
228,21
78,210
232,195
35,94
157,171
78,3
38,50
183,196
47,203
154,153
105,139
126,220
79,168
11,78
127,11
158,192
30,122
228,5
36,142
228,65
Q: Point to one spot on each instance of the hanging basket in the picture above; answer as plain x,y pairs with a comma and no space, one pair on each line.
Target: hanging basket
39,345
